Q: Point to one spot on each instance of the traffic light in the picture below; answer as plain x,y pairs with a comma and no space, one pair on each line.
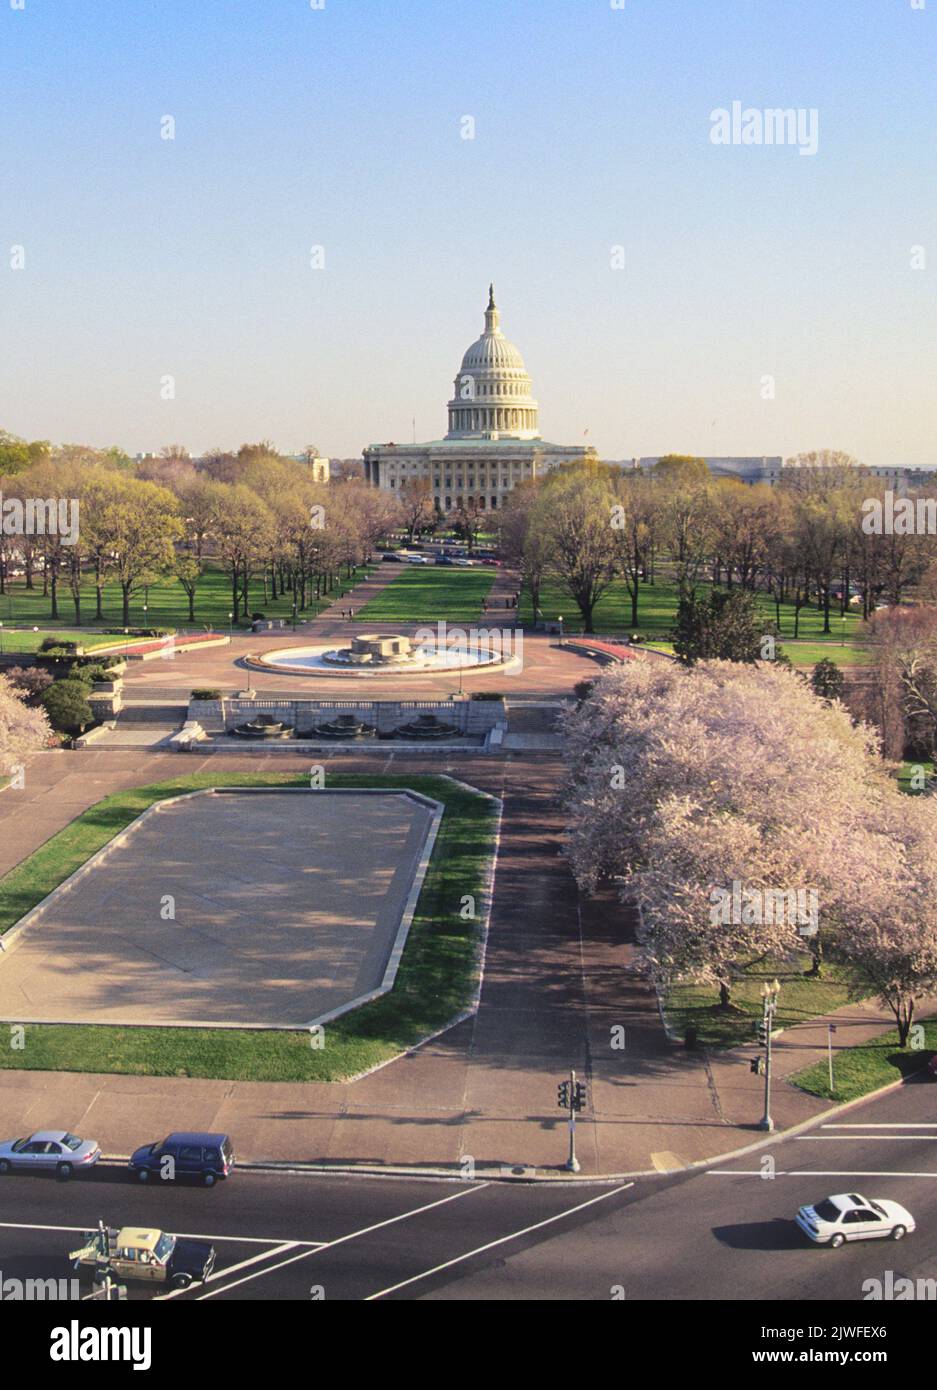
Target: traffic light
757,1065
761,1033
562,1095
579,1095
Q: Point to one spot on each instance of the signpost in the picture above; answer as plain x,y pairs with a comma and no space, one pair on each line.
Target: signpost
830,1030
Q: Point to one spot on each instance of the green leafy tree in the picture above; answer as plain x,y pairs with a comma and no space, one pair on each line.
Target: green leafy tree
827,680
66,704
721,625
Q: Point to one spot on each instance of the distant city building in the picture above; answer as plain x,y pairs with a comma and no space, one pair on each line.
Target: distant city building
747,470
493,441
319,467
771,469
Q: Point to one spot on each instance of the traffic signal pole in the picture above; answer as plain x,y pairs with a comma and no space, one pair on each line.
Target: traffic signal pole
571,1096
572,1164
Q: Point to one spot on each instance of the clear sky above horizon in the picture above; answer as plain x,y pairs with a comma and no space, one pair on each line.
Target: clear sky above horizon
341,128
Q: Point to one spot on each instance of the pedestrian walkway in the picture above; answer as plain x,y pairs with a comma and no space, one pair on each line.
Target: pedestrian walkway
354,598
499,606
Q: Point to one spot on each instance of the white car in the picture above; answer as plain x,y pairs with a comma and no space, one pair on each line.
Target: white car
416,559
848,1216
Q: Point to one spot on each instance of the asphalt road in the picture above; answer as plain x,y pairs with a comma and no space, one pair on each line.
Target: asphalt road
722,1233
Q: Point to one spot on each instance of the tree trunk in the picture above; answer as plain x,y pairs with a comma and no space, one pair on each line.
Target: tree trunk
125,592
724,994
816,957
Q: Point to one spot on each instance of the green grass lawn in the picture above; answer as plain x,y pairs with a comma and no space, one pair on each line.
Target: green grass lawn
657,612
434,982
905,773
859,1070
167,604
688,1004
429,593
29,642
809,653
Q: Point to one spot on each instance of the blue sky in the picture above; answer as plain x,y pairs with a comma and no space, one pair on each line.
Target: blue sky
340,127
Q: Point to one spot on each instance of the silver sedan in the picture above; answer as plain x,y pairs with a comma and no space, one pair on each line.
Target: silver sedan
49,1150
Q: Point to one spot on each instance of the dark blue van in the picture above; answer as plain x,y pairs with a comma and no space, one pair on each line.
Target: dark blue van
209,1157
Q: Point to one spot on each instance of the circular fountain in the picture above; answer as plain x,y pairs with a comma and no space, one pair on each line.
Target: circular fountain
392,654
372,649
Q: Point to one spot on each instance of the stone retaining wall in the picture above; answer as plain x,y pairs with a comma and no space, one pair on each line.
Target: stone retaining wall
473,717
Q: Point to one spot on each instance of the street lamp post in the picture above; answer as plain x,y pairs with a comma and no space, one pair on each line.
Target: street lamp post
769,995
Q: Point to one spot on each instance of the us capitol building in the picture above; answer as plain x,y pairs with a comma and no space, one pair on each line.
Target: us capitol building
493,441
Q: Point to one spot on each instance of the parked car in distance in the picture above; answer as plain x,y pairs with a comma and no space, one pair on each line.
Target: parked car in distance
184,1154
49,1151
416,559
391,556
848,1216
142,1252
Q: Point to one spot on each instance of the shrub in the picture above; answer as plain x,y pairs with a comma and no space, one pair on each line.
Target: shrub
56,646
487,695
66,704
57,654
205,694
96,673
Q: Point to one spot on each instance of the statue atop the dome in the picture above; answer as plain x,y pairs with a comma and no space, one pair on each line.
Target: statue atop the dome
491,296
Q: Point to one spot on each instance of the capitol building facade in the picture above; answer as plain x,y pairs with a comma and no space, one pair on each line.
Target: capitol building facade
493,441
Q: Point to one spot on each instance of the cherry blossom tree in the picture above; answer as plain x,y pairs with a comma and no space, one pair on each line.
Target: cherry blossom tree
22,730
682,782
889,903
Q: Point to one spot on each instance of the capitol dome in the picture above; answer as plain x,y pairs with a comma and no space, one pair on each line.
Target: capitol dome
492,396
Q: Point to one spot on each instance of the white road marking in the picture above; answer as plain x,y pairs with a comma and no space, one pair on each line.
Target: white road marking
352,1235
891,1124
515,1235
185,1235
879,1138
231,1269
812,1173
